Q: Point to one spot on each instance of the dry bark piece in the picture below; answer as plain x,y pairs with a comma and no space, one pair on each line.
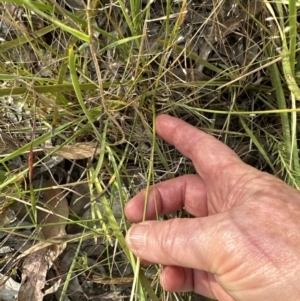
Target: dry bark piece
34,276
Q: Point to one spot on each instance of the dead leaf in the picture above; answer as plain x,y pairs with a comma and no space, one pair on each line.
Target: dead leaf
34,272
77,151
56,215
81,197
9,288
36,265
7,143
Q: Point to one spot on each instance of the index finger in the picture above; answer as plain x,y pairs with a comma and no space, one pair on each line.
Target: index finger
209,155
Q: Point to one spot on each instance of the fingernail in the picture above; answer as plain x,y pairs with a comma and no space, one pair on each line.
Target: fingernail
136,237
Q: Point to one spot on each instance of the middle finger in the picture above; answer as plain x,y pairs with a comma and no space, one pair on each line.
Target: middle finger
186,192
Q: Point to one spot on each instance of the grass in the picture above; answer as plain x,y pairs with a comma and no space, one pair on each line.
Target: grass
101,73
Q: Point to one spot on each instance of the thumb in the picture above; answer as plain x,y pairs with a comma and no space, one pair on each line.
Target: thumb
192,243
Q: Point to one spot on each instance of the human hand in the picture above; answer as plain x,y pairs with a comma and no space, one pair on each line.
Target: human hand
244,242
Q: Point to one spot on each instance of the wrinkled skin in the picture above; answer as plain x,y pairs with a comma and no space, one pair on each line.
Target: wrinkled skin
244,242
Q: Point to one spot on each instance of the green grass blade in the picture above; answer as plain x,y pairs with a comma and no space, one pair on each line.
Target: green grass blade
257,144
31,5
